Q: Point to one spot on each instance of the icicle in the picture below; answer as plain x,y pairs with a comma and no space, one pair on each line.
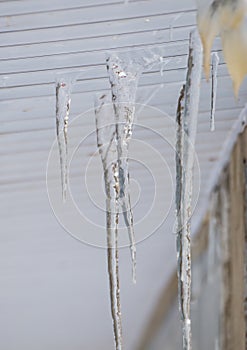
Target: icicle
124,73
114,131
63,99
124,79
187,114
106,135
214,71
112,253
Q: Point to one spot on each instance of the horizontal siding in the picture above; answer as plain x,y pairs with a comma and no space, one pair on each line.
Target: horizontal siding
28,43
20,7
103,13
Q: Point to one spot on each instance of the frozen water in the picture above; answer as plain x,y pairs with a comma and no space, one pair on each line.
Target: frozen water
215,63
124,72
124,79
64,85
114,125
187,114
106,134
63,99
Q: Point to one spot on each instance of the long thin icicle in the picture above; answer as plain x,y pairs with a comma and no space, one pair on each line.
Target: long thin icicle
124,79
114,131
124,73
214,73
63,99
187,114
106,135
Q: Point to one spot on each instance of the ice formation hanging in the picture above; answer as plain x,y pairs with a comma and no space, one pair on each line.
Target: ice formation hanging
63,99
124,79
226,18
187,114
114,124
113,143
106,141
214,73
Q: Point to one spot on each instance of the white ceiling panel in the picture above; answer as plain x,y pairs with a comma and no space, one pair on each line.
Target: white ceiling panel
54,288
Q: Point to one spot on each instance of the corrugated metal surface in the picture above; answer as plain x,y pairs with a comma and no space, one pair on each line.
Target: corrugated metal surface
54,290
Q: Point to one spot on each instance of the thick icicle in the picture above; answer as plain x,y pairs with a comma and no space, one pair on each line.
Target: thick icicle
63,99
106,135
123,78
214,71
187,114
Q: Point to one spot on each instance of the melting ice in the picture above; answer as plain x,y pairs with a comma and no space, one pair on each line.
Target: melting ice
114,124
215,63
63,99
187,114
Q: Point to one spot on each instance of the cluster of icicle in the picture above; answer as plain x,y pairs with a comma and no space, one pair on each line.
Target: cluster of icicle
114,126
